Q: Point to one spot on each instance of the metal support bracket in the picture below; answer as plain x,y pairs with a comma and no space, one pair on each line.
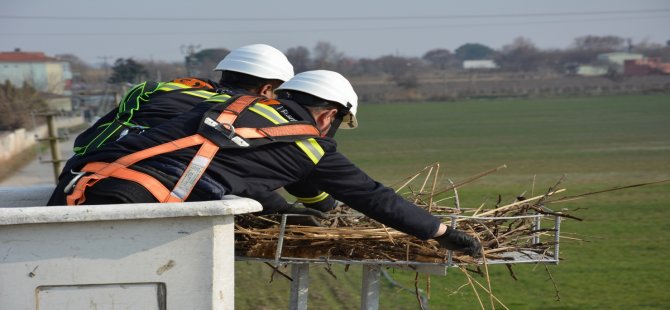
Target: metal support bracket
370,287
299,286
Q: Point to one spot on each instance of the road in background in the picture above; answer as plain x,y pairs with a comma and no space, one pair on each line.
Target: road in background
36,172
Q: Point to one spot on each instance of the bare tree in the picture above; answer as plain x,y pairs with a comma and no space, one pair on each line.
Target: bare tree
520,55
651,49
16,105
299,57
76,64
127,71
326,56
403,71
347,66
164,71
440,58
600,43
206,60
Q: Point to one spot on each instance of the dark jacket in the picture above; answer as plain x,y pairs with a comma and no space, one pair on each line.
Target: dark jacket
256,171
150,104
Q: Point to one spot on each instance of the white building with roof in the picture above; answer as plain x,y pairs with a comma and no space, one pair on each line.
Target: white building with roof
45,74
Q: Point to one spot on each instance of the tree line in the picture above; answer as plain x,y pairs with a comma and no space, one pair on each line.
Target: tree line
521,55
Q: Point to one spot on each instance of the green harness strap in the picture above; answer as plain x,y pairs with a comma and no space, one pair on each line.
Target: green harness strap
130,104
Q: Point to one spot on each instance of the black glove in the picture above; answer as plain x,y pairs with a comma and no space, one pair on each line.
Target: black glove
460,241
325,205
308,218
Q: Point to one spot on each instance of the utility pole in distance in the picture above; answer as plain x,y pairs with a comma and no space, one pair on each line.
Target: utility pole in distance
105,64
53,139
190,61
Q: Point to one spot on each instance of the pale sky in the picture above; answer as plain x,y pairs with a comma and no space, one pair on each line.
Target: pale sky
94,30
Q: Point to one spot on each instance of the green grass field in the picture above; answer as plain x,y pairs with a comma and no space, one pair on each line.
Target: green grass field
598,142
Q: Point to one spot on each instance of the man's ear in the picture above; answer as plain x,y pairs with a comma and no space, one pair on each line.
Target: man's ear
267,91
324,118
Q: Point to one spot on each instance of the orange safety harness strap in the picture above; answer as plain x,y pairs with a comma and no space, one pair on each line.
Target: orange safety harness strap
119,169
196,168
278,131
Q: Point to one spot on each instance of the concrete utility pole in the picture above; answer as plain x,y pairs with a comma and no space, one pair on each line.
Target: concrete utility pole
105,64
53,138
190,61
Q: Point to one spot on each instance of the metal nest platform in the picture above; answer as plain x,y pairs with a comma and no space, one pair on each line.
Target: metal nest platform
548,237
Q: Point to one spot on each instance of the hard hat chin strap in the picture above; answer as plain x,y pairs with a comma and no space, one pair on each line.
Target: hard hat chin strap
335,124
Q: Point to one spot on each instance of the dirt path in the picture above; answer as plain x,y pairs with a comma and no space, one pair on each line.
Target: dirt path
35,172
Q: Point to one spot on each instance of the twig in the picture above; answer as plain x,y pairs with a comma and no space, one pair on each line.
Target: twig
276,270
428,286
484,288
457,203
474,289
550,190
511,272
518,203
411,178
486,270
417,291
432,189
558,296
470,179
566,198
329,268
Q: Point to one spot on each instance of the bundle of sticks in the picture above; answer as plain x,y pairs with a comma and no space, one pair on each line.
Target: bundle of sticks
348,235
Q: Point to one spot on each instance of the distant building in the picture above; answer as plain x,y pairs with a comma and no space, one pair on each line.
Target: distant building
618,57
646,66
479,64
616,60
587,70
46,74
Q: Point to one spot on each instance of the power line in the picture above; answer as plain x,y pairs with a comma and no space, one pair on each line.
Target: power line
298,30
326,18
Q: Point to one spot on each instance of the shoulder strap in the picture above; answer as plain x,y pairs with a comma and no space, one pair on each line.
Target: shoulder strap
228,135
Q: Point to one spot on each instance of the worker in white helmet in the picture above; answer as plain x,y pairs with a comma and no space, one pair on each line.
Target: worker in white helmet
256,69
252,69
247,146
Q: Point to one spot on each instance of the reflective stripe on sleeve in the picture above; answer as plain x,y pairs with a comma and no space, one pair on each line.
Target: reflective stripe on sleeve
315,199
312,148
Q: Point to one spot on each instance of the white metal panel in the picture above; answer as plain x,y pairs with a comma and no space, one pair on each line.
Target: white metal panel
192,256
230,205
187,247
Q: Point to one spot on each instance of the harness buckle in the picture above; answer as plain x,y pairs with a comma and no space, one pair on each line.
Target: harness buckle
74,180
228,130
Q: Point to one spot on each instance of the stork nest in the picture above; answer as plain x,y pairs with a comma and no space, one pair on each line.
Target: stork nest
349,235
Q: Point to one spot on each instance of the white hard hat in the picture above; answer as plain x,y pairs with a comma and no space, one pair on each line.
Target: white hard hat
328,85
259,60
